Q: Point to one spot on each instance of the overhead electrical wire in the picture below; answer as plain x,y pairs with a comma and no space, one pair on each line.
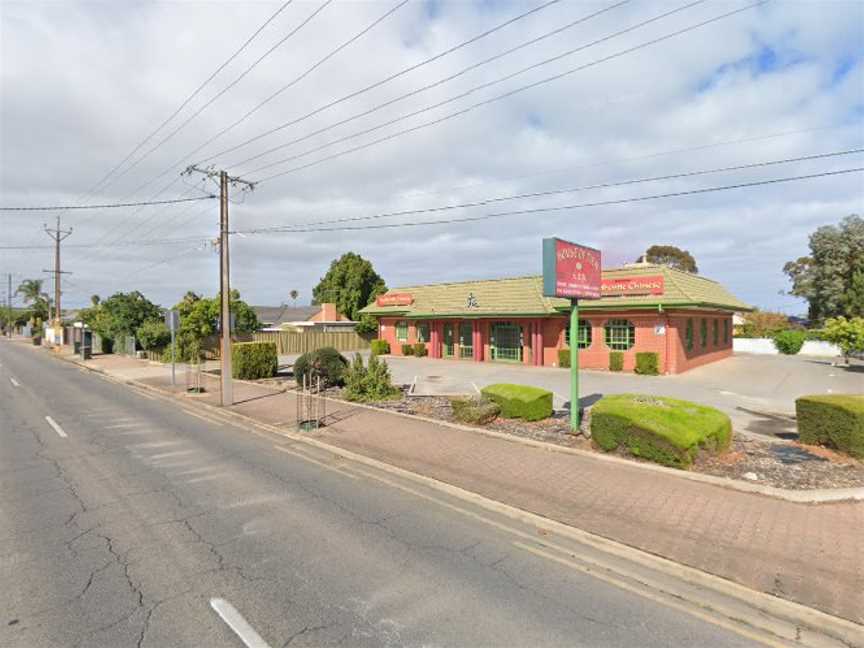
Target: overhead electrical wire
487,101
482,217
396,75
107,205
556,192
600,203
453,76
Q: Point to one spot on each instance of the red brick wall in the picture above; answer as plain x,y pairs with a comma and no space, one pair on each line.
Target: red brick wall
699,355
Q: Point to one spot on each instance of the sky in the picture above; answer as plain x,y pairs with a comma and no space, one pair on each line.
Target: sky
84,85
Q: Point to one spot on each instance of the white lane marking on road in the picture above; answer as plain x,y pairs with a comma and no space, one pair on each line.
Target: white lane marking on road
14,382
476,388
196,471
174,453
124,426
199,416
300,455
207,478
229,614
154,444
56,427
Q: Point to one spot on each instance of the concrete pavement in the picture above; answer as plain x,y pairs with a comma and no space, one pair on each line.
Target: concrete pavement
149,524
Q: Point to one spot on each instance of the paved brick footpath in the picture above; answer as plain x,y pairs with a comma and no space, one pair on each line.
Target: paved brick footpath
810,553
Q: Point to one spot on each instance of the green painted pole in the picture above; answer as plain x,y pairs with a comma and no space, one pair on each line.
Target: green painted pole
574,365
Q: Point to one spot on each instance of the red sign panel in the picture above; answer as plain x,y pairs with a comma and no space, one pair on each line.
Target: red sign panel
644,285
570,270
395,299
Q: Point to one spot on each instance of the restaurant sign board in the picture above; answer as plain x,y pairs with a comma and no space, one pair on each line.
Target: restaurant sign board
570,270
641,285
394,299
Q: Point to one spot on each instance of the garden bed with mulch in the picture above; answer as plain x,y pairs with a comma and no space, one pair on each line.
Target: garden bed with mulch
787,465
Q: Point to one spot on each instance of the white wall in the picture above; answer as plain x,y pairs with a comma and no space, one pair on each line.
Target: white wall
766,345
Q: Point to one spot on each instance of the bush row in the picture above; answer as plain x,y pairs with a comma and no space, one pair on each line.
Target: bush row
832,420
254,360
418,349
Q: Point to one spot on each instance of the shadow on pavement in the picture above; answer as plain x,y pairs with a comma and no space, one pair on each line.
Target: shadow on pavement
779,426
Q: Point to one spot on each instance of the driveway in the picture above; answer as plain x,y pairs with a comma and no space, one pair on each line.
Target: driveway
757,391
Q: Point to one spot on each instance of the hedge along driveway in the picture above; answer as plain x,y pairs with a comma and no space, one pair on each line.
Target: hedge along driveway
754,383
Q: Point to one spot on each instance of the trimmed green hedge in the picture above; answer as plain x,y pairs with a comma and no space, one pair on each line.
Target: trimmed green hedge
380,347
420,349
647,363
564,358
789,342
616,361
254,360
478,411
667,431
326,362
833,420
520,401
407,349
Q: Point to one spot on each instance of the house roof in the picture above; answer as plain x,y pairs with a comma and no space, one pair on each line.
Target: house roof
524,296
276,315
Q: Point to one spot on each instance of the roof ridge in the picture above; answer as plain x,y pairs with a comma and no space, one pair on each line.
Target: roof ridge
465,281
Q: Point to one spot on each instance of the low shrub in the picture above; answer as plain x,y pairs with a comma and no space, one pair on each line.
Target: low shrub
407,349
616,361
37,340
520,401
816,335
369,383
477,411
647,363
790,341
667,431
420,350
326,363
564,358
833,420
380,347
254,360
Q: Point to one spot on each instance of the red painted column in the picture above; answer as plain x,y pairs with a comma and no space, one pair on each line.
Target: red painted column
433,339
538,334
475,340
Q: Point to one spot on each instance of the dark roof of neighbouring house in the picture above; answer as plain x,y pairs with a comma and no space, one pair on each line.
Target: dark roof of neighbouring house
277,315
524,296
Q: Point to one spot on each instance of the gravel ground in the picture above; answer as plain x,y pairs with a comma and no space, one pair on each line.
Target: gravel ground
788,465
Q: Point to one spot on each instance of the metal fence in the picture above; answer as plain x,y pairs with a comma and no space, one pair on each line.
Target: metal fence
302,342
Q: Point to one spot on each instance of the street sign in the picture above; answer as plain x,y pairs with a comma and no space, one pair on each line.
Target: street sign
172,320
570,270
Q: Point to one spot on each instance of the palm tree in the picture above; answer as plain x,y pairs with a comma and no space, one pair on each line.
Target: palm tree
294,295
31,290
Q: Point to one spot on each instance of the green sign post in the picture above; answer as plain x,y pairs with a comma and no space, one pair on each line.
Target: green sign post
571,271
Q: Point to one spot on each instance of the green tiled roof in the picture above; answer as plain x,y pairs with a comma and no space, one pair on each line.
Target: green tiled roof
523,296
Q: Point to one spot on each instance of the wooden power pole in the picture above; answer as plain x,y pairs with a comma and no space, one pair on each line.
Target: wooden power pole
227,395
58,235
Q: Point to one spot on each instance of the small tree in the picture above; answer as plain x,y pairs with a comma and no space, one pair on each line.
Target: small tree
294,295
762,324
848,334
351,283
153,334
671,256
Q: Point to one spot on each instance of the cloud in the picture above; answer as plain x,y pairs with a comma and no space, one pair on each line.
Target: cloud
84,83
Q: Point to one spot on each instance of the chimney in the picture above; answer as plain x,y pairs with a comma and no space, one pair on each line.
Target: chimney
329,313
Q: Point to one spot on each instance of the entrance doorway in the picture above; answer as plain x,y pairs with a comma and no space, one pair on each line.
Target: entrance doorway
506,342
466,340
447,346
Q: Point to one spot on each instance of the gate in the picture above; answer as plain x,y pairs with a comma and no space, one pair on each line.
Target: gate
466,340
506,342
447,347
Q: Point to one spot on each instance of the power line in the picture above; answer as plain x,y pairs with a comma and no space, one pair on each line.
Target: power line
107,205
377,84
293,82
555,192
453,76
228,87
194,94
537,210
486,101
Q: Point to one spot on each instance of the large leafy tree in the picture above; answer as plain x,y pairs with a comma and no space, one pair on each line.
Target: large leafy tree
199,319
831,278
671,256
351,283
31,291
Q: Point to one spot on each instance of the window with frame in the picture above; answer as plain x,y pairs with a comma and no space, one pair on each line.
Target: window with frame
688,334
703,332
726,331
620,334
402,331
583,333
422,331
716,333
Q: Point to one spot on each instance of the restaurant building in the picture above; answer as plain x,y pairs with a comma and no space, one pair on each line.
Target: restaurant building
685,318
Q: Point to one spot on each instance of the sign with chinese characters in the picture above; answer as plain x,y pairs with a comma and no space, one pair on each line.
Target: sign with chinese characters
471,301
394,299
571,271
642,285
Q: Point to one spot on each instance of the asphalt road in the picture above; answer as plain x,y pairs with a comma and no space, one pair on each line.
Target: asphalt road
125,520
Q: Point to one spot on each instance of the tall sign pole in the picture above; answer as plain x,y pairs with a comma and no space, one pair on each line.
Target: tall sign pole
572,271
227,396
